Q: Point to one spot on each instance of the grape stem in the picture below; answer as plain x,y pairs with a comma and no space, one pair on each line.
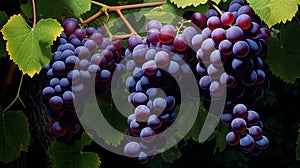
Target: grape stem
213,4
34,14
17,97
105,9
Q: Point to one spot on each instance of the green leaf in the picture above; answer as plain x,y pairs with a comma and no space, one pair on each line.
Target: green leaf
275,11
283,53
298,146
64,155
195,3
171,154
170,13
97,122
30,47
14,135
3,20
57,9
219,135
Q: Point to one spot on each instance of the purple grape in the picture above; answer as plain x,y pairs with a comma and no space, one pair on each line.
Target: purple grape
238,125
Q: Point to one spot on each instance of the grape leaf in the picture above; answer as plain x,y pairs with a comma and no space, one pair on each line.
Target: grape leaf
171,154
100,122
298,146
283,53
219,135
64,155
30,47
3,20
275,11
57,9
14,135
195,3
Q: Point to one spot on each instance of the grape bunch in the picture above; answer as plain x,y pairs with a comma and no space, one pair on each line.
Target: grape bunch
157,65
81,55
231,51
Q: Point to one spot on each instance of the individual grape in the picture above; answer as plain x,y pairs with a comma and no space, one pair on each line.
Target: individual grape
216,58
234,7
197,41
150,54
154,122
225,47
232,138
262,143
199,19
139,52
236,1
48,92
266,34
56,102
261,76
105,75
244,21
69,27
139,99
189,33
72,61
82,52
252,118
171,102
210,13
227,18
132,149
97,37
59,68
159,104
57,129
57,56
234,34
247,142
149,68
214,22
205,82
227,80
203,58
68,97
255,132
241,49
73,76
53,82
253,30
58,89
227,118
94,70
180,42
67,46
142,113
147,134
75,42
80,33
173,68
162,59
218,35
240,111
64,83
91,45
153,24
134,41
143,158
167,34
216,89
238,125
152,35
84,64
98,59
208,46
135,126
239,65
246,9
213,71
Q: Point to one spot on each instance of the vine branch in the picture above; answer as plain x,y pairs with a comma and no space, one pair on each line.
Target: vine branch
17,97
34,14
213,4
118,10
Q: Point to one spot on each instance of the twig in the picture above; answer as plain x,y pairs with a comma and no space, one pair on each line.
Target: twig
17,97
34,14
215,6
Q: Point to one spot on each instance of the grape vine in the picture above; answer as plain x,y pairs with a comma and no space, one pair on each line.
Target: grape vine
234,51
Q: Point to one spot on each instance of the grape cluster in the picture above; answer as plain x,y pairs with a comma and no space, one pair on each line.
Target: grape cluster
81,56
231,51
157,64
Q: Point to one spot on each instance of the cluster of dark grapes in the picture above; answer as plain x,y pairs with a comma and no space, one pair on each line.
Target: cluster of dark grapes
231,51
81,55
157,66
